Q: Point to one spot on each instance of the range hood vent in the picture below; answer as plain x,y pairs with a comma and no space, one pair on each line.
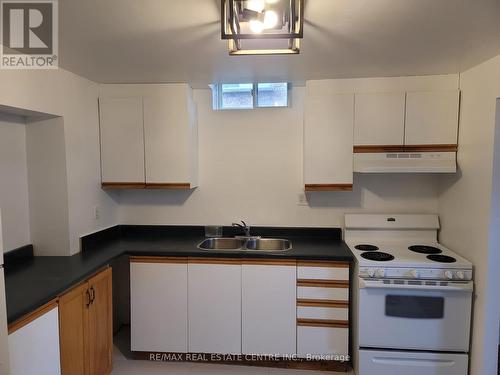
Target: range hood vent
406,162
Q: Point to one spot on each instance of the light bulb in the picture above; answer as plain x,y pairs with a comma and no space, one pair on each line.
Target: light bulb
256,26
256,5
270,19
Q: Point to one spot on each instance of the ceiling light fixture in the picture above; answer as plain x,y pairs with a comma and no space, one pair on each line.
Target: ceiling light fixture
262,27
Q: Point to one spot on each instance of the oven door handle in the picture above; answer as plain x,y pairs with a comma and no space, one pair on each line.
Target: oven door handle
414,362
379,284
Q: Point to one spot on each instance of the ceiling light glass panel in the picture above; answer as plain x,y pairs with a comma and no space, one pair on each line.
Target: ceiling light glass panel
258,27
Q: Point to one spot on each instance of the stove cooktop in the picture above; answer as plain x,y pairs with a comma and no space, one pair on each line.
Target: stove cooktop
403,253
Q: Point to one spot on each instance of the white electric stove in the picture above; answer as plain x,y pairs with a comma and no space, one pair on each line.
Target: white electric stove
412,297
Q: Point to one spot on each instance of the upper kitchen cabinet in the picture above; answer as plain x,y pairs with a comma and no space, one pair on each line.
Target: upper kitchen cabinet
432,118
379,119
149,136
328,140
122,142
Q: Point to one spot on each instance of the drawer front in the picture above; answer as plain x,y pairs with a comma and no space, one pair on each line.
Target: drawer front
323,273
332,294
322,341
328,313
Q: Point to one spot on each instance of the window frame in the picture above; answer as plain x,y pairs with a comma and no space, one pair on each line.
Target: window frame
217,97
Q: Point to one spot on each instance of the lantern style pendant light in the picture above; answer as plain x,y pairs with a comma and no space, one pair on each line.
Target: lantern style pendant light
262,27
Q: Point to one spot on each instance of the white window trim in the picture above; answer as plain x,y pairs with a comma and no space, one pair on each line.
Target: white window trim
217,97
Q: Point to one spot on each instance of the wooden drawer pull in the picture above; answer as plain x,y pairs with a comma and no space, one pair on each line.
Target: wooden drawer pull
322,303
323,283
322,323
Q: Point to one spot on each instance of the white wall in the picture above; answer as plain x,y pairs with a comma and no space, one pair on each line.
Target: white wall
14,182
251,168
62,93
465,207
48,189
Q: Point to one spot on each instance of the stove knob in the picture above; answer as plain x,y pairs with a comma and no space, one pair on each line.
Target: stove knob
448,275
370,272
380,273
461,275
414,274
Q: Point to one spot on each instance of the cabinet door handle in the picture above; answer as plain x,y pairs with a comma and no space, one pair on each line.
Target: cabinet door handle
89,300
92,292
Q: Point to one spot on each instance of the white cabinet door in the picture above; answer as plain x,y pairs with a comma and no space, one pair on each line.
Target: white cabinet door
159,309
329,341
169,126
214,298
269,309
328,139
379,119
122,139
34,348
432,118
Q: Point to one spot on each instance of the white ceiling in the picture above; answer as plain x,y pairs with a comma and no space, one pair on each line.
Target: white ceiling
179,40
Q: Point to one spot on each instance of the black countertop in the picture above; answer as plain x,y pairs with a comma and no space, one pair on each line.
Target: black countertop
33,282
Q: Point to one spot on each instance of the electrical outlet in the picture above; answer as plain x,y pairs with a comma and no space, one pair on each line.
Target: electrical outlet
96,212
302,199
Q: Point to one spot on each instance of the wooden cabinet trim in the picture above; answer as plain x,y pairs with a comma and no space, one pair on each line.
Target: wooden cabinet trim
431,148
328,187
322,323
368,149
195,260
158,259
270,262
123,185
323,283
27,319
319,263
322,303
372,149
173,185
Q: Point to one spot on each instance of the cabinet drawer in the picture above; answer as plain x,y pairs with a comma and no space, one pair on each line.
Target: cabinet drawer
323,273
328,313
322,341
333,294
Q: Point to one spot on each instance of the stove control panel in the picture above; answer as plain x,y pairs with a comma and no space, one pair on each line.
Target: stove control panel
415,273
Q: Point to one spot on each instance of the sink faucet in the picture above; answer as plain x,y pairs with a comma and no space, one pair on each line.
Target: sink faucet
244,227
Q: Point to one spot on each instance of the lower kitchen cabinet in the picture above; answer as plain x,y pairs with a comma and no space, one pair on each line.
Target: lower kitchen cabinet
322,309
158,303
233,306
34,344
214,299
269,307
322,340
86,327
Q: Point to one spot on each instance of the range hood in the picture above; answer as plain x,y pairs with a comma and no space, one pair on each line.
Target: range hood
406,162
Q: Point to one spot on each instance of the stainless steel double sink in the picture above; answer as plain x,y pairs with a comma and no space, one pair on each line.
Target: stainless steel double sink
246,244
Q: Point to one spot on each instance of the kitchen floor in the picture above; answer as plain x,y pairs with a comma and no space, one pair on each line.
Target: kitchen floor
123,366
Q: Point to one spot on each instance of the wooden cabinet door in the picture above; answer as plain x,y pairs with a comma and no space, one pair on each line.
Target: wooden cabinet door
379,119
214,298
100,324
328,141
73,326
122,140
159,306
432,118
269,309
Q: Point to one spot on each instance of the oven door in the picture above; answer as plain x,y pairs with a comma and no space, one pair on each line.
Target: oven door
398,314
375,362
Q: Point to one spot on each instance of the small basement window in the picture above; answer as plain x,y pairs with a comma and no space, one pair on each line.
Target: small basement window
250,95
